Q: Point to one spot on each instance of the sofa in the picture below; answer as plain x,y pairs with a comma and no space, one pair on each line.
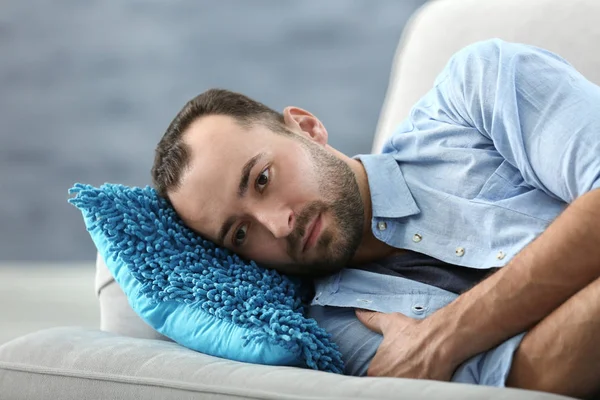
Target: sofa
126,359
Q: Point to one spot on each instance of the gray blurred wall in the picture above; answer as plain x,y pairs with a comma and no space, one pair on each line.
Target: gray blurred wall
88,87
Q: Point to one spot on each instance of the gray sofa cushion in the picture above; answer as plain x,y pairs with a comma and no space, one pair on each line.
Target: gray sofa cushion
74,363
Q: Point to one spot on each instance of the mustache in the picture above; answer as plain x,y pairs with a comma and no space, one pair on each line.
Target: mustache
294,240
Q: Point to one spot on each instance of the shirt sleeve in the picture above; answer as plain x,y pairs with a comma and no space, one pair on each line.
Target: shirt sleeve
542,115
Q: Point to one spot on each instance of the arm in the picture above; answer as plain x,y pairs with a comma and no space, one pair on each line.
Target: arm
543,117
561,262
561,353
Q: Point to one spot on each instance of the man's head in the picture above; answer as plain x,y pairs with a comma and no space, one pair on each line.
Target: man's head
261,183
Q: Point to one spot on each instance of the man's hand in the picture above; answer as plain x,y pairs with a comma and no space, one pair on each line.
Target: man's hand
410,348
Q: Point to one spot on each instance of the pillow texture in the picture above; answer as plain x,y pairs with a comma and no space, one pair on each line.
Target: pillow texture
195,292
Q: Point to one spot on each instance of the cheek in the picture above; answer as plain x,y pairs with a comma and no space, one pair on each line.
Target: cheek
300,184
264,248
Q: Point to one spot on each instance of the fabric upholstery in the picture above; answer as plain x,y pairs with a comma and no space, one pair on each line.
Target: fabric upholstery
74,363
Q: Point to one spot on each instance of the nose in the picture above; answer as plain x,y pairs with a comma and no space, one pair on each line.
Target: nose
279,221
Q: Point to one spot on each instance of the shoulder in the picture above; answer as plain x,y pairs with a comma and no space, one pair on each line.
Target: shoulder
494,52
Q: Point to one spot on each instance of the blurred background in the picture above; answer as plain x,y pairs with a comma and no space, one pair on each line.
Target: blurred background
88,88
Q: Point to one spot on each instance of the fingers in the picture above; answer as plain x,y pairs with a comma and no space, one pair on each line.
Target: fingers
398,317
379,322
374,367
371,319
371,373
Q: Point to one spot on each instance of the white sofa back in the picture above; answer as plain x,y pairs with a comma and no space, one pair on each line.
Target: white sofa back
570,28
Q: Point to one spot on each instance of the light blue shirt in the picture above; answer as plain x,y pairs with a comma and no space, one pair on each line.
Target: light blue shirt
508,136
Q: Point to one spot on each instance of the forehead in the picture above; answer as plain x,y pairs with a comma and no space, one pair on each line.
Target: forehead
208,134
219,147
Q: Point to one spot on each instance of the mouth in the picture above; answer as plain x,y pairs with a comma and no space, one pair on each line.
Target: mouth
312,233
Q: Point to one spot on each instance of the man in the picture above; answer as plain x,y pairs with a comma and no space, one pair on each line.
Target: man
497,166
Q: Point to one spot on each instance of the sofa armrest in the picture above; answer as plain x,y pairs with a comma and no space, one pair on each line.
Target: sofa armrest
75,363
441,28
116,315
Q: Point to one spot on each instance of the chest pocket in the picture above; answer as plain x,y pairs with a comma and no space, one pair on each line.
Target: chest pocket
506,182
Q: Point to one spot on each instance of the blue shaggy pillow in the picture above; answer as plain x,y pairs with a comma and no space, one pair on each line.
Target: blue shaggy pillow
196,293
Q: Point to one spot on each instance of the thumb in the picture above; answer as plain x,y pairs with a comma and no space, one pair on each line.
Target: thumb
371,319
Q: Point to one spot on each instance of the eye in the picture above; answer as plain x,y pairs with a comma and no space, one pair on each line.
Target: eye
240,235
262,180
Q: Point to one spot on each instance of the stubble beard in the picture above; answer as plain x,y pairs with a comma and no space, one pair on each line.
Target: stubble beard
337,243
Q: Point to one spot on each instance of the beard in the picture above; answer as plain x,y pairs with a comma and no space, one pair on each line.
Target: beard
338,242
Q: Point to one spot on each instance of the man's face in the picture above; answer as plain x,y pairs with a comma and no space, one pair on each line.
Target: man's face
281,200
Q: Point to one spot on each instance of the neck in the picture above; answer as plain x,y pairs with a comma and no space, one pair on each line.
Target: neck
370,248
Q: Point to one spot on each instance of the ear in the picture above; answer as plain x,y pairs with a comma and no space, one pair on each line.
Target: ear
304,123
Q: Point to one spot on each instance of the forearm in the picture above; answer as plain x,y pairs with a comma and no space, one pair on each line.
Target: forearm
561,354
559,263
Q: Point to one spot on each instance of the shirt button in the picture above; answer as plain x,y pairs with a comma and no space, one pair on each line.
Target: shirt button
417,238
382,226
418,309
500,255
460,251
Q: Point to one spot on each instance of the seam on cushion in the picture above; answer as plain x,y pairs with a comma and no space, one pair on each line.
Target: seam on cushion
223,390
104,285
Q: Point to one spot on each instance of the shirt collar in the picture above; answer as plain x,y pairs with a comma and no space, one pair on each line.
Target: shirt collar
390,195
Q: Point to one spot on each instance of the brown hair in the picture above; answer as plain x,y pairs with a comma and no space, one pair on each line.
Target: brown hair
172,155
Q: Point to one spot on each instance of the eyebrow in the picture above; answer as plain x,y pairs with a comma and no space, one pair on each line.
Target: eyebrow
242,190
243,186
224,229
